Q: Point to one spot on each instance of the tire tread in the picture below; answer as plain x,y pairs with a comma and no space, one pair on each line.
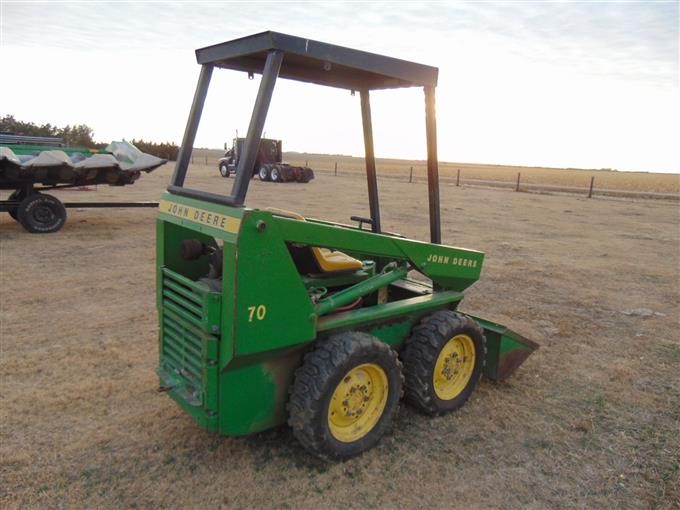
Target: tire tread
306,405
420,354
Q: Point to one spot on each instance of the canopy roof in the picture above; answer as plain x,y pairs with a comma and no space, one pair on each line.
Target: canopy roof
317,62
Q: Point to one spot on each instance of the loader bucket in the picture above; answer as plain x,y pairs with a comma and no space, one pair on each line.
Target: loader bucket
506,350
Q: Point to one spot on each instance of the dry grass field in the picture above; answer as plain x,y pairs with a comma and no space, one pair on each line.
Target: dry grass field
644,182
591,420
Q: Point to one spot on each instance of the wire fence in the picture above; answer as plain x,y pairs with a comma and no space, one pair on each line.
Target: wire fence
588,190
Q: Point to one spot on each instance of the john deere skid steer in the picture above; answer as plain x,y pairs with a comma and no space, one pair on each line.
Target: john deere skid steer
268,317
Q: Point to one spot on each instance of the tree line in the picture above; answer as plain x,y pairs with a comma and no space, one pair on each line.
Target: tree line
165,150
81,135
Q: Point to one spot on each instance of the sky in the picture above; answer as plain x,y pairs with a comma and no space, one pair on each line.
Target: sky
561,84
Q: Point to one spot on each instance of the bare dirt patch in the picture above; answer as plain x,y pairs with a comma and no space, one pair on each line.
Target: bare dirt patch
591,419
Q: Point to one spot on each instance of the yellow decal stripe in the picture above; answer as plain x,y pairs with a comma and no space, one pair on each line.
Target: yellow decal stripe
201,216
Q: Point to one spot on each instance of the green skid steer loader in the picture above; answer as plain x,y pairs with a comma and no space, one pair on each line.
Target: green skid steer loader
332,338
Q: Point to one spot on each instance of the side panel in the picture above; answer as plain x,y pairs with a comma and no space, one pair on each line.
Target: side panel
273,320
272,307
254,391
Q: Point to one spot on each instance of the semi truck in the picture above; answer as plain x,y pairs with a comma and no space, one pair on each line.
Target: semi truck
269,165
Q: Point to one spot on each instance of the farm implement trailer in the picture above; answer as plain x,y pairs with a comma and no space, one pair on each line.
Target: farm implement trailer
44,164
268,317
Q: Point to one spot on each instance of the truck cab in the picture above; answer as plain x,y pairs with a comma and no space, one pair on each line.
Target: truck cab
270,151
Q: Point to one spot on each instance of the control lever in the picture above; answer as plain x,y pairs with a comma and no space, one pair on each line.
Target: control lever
361,220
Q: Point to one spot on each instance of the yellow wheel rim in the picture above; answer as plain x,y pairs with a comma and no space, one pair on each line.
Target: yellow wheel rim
358,402
454,367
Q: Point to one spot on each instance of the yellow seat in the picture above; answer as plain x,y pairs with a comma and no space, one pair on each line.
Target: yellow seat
329,261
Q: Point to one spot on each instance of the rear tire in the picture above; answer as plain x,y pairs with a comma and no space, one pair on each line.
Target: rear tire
263,173
443,361
345,395
276,175
41,214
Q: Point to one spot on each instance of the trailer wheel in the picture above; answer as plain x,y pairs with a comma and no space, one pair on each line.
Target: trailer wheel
41,214
263,173
345,395
275,175
16,195
443,361
224,170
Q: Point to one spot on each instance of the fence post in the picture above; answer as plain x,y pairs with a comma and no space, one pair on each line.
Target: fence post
590,191
336,168
192,159
306,163
410,175
517,187
458,178
206,161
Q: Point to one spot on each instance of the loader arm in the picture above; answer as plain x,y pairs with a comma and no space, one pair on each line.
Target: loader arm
450,267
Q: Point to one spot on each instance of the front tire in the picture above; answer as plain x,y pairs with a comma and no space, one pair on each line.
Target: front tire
41,214
224,170
443,361
345,395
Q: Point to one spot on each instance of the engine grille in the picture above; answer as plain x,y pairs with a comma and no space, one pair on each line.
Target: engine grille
182,347
188,345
